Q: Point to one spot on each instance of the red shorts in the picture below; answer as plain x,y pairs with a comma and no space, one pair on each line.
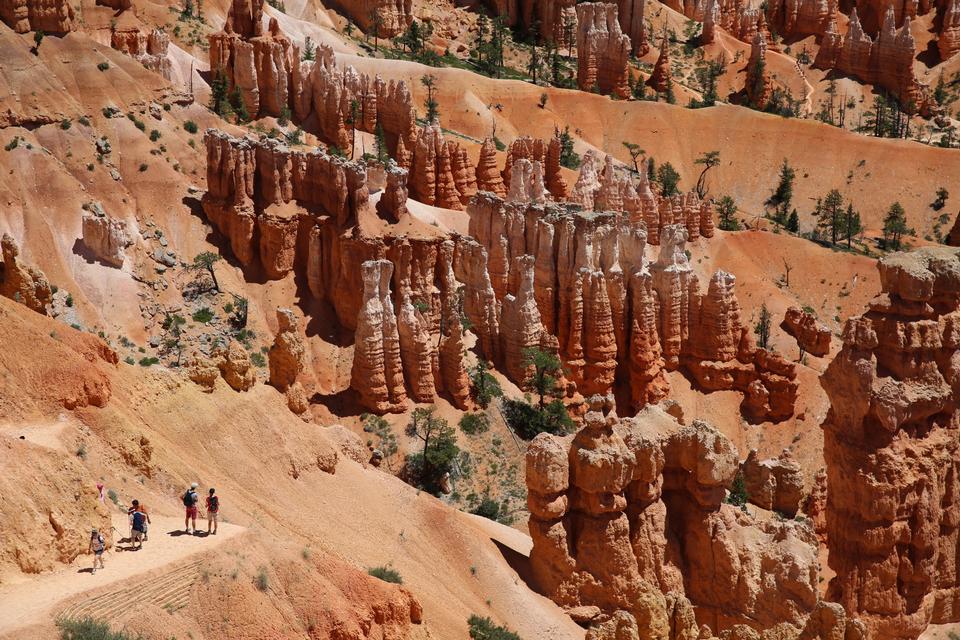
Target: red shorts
191,512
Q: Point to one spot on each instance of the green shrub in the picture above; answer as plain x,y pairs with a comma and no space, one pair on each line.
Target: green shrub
103,66
203,315
474,423
190,126
488,508
65,124
258,360
485,629
386,574
84,120
114,498
738,492
69,300
143,167
154,135
90,629
130,360
147,362
527,420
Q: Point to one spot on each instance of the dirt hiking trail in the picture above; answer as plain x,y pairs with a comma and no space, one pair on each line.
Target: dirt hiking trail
170,557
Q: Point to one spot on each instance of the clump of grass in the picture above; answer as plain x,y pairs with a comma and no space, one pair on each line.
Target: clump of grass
114,498
262,580
90,629
386,574
190,126
485,629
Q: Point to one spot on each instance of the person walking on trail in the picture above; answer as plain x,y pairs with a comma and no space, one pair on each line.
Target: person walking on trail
97,546
140,521
213,511
133,508
190,500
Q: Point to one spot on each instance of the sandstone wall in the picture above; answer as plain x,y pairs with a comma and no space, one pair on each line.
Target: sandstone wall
812,336
393,16
49,16
603,50
22,283
886,61
150,49
892,450
628,522
617,320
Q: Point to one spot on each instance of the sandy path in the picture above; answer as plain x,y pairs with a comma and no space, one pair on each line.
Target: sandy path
32,601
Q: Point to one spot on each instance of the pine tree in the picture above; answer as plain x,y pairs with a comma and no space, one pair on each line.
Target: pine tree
380,142
852,224
894,226
782,197
219,94
793,222
727,210
831,214
433,111
762,328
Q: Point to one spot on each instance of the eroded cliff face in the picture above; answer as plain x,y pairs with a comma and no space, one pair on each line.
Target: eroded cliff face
618,321
812,336
556,19
630,531
387,17
259,64
886,61
20,282
286,360
758,86
892,450
286,210
49,16
106,237
603,50
149,49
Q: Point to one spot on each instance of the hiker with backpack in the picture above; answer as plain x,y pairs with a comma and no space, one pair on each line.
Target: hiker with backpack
140,521
97,546
213,511
190,500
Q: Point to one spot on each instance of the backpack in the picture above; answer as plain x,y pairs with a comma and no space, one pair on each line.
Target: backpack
213,503
98,545
189,498
139,521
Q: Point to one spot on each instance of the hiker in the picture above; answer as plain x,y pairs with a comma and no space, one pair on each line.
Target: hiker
190,500
140,521
97,546
134,506
213,511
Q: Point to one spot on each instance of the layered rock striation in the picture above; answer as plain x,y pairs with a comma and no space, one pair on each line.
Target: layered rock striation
758,86
106,237
387,18
603,50
892,450
286,360
775,484
628,519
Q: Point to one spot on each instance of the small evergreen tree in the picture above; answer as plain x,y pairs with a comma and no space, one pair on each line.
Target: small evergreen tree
568,157
727,210
793,222
205,262
430,104
483,385
709,160
380,144
782,197
544,368
831,215
894,226
852,225
219,94
738,495
669,179
440,451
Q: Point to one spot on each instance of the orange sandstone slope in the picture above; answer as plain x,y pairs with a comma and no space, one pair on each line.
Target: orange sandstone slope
279,477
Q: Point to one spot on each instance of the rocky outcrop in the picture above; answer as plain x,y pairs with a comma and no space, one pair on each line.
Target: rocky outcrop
626,511
948,41
631,16
49,16
758,86
886,61
106,237
433,180
286,361
149,49
555,19
892,446
612,189
260,66
736,17
21,283
799,18
617,320
377,373
775,484
603,50
235,367
393,202
661,76
812,336
711,15
322,95
388,17
547,154
487,172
